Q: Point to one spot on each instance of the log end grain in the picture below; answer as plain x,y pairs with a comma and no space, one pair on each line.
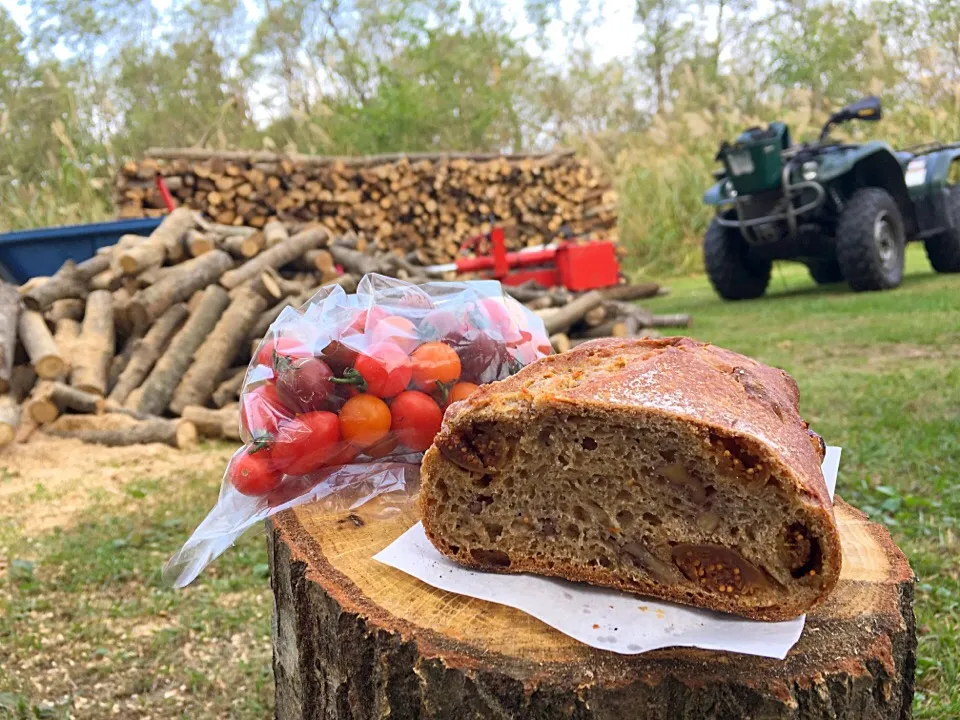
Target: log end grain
50,367
186,435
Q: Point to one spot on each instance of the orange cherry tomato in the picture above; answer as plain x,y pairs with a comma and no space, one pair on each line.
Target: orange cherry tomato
364,420
434,362
460,391
397,330
416,419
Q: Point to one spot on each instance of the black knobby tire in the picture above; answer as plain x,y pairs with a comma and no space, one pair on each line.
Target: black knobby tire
870,240
733,274
943,250
825,271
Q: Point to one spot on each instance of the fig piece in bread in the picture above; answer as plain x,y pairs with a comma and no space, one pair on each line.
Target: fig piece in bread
668,468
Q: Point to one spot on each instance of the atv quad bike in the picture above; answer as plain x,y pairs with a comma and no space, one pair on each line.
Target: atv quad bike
844,210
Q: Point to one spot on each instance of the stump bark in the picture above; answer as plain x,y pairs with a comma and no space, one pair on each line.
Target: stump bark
356,639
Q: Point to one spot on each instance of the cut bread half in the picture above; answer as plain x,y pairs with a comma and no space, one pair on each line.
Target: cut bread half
667,467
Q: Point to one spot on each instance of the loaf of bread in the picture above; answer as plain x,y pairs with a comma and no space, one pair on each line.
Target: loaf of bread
669,468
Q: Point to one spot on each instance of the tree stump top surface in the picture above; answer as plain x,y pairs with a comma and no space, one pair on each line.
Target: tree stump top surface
859,631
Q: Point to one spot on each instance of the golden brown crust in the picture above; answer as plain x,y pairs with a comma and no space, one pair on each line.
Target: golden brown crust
745,406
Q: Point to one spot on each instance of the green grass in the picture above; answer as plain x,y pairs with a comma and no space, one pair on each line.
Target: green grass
879,374
88,629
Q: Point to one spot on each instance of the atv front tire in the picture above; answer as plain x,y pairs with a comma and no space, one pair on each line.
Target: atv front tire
870,241
825,271
943,250
733,274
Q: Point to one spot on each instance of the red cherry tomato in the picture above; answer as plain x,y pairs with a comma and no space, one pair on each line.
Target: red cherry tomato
364,420
261,411
434,362
416,419
399,331
442,325
306,443
288,346
303,384
252,472
385,368
344,455
460,391
494,316
338,356
367,320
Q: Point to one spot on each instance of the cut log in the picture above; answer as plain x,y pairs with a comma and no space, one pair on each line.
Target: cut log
53,398
71,308
196,243
177,286
318,260
9,318
223,423
109,279
244,247
22,381
563,318
560,342
610,328
154,395
674,320
274,233
39,344
276,257
9,420
146,352
218,350
68,282
65,335
631,292
229,389
391,645
176,433
93,350
135,260
356,262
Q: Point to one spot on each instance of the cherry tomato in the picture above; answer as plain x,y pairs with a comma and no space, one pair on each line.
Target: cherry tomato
416,419
485,359
261,411
306,443
338,356
397,330
434,362
460,391
442,325
385,368
367,320
493,315
344,455
252,472
288,346
303,384
364,420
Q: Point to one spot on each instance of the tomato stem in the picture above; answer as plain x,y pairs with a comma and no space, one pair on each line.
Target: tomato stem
351,377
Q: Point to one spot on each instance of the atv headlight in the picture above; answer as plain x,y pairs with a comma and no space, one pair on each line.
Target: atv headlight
729,189
809,170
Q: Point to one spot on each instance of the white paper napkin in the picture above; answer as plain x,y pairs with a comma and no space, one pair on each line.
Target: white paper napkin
605,619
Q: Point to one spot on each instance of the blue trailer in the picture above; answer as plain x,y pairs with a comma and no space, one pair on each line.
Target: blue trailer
31,253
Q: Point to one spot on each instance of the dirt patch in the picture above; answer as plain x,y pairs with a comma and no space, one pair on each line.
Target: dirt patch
46,483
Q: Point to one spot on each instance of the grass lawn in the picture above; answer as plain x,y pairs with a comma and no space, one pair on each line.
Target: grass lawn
879,374
88,631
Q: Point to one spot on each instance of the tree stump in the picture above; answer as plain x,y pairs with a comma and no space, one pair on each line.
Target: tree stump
356,639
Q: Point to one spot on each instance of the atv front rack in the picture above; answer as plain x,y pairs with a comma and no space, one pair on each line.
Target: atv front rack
789,215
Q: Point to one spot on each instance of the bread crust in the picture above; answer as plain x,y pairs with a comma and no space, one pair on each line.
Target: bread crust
725,394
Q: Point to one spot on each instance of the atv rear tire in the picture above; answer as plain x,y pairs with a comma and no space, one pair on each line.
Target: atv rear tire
825,272
943,250
870,241
733,274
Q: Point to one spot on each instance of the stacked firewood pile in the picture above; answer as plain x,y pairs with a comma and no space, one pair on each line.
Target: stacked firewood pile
148,341
425,204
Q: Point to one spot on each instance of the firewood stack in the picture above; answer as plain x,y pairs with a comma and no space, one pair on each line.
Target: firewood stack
424,204
148,341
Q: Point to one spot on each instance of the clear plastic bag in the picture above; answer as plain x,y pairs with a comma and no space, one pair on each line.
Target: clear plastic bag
345,393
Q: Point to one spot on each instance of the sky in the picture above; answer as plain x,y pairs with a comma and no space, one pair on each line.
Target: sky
616,35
